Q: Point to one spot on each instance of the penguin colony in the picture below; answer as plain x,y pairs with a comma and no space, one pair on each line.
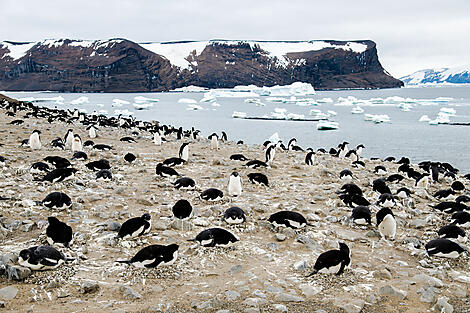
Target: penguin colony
384,205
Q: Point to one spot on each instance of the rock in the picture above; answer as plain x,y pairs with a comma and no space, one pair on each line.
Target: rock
288,232
8,293
89,286
232,295
281,237
223,311
443,306
272,245
280,307
143,201
287,297
352,305
427,295
259,294
235,269
251,310
373,234
310,291
428,280
159,225
201,221
383,274
113,226
389,290
181,225
16,272
349,235
300,265
254,302
417,223
129,293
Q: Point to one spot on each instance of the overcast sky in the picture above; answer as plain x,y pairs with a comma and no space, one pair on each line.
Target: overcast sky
410,35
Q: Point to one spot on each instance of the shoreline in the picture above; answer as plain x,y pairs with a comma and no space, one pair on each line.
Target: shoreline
258,273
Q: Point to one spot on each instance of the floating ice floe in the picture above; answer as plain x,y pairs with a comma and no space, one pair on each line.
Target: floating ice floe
142,106
215,104
424,118
123,112
255,101
190,89
274,137
357,110
187,101
194,107
57,100
448,111
208,97
237,114
80,100
119,103
318,114
327,125
142,99
377,118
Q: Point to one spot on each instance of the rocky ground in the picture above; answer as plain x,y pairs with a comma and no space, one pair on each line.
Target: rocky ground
264,272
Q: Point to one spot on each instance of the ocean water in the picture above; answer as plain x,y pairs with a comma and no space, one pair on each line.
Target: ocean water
403,136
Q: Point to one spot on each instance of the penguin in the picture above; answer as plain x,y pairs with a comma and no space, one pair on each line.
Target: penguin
238,157
184,151
462,198
457,186
450,207
422,181
444,248
461,219
102,164
68,138
389,159
154,256
165,171
449,177
255,164
214,141
310,158
58,143
213,237
359,149
379,185
171,162
443,194
404,160
211,194
361,215
127,139
157,139
59,175
40,258
182,209
35,140
234,184
386,223
92,131
77,143
130,157
2,161
185,183
136,226
234,215
80,156
353,200
258,178
343,150
291,143
88,143
358,164
58,232
224,136
380,170
39,168
104,175
350,189
270,153
403,193
332,261
346,175
102,147
386,200
434,171
239,142
395,178
404,168
288,219
452,232
57,200
57,161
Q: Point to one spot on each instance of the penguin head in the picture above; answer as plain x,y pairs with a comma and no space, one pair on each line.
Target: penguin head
52,220
36,131
343,248
235,174
145,217
25,254
173,247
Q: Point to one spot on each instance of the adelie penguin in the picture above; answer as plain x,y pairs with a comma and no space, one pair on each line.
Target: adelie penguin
255,164
444,194
165,171
235,184
185,183
380,170
34,140
80,156
461,219
57,161
361,215
270,153
59,175
77,143
386,223
346,175
386,200
395,178
92,131
136,226
98,165
39,168
333,261
68,138
154,256
58,232
288,219
422,181
214,141
258,179
213,237
130,157
211,194
104,175
157,139
57,200
182,210
457,186
127,139
234,215
184,151
310,158
450,207
102,147
452,232
171,162
444,248
41,258
238,157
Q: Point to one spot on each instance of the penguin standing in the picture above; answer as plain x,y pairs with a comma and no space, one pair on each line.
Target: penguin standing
343,150
235,184
184,151
310,158
58,232
34,140
68,138
270,153
333,261
92,132
182,209
224,136
214,141
157,139
77,143
386,223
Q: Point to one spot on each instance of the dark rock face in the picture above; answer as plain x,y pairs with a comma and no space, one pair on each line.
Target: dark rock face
125,66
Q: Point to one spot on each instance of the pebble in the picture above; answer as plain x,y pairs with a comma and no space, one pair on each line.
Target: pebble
389,290
89,286
383,274
280,307
310,291
286,297
300,265
443,306
129,293
113,226
232,295
281,237
8,293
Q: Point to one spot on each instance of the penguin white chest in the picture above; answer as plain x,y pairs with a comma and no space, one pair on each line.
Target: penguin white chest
235,186
77,145
185,153
157,139
34,141
214,143
388,227
92,132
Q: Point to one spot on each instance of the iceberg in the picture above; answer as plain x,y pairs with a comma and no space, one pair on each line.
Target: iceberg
187,101
255,101
237,114
357,110
119,103
141,99
274,137
424,118
58,100
327,125
190,89
142,106
80,100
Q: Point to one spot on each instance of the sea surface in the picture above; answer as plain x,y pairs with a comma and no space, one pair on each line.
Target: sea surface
404,135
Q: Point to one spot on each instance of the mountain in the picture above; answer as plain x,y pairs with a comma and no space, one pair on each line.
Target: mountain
452,75
120,65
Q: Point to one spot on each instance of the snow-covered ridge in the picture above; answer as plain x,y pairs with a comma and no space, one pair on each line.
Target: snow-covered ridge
453,75
178,52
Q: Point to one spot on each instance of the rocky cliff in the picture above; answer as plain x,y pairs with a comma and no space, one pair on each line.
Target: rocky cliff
120,65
